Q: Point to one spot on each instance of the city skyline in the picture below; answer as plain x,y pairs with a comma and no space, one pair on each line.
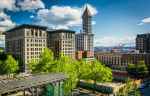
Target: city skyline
114,21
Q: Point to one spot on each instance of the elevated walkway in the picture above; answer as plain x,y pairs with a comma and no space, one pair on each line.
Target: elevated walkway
30,82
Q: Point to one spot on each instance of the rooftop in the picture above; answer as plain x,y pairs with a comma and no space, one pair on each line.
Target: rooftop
61,30
27,26
30,81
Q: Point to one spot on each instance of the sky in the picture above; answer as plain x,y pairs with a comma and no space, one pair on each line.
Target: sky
114,22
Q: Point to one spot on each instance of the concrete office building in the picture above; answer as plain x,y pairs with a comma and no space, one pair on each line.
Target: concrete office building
62,41
26,42
143,43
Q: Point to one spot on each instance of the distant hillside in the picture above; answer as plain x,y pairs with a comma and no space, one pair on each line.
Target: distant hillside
109,49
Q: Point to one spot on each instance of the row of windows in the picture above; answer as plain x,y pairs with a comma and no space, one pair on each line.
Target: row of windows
34,49
64,36
36,33
35,45
33,53
34,40
31,57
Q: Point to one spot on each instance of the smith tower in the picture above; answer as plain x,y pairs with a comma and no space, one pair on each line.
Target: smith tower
86,21
84,39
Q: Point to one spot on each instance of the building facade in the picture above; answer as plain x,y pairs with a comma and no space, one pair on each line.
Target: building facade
143,43
116,61
84,39
26,42
2,39
62,41
120,61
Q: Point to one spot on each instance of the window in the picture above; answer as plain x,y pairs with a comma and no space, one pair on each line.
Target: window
32,32
40,33
36,34
27,33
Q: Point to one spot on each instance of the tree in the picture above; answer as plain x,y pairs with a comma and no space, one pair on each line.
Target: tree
99,73
45,63
1,68
139,70
10,65
82,69
73,69
67,65
142,69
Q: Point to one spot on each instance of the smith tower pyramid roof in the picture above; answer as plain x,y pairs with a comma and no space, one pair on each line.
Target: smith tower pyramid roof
86,12
87,21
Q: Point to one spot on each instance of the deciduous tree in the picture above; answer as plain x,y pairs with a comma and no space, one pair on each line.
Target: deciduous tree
10,65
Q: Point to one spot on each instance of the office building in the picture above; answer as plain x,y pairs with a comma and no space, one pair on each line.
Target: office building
84,39
62,41
143,43
26,42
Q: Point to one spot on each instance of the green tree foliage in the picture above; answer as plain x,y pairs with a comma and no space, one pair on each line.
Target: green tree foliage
98,73
139,70
73,69
3,56
44,64
1,68
67,65
10,65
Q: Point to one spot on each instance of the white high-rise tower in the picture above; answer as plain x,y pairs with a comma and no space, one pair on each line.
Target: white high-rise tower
84,40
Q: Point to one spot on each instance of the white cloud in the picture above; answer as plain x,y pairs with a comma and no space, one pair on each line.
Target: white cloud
5,22
62,16
145,21
7,4
32,16
30,5
114,41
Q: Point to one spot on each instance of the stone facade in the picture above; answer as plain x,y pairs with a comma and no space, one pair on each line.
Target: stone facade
26,42
62,41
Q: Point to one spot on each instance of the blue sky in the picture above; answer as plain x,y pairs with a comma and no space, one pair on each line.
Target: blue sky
114,21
